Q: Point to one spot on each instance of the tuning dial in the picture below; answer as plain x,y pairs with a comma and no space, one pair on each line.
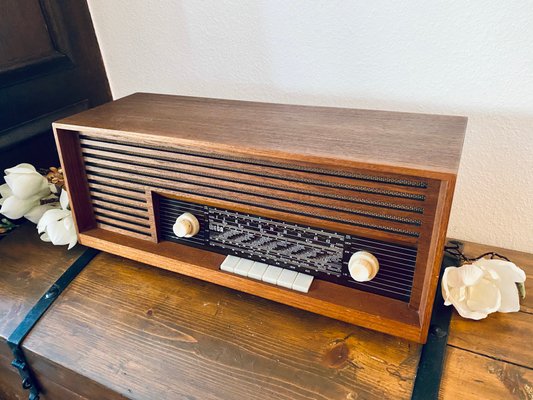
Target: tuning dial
363,266
186,225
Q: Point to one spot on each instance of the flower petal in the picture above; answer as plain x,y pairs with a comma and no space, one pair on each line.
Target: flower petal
35,214
485,297
445,286
469,274
15,208
510,298
505,274
454,278
5,191
58,233
69,224
45,237
20,168
505,269
462,307
26,185
50,216
63,199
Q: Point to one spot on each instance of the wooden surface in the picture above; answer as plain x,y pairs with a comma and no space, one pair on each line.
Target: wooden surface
418,141
28,267
125,329
492,358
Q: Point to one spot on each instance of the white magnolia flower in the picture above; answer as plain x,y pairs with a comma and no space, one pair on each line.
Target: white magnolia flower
22,192
36,213
5,192
25,182
57,225
483,287
15,208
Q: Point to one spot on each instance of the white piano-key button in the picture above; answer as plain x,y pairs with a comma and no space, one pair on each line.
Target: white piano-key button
229,263
287,278
271,274
243,266
257,271
302,283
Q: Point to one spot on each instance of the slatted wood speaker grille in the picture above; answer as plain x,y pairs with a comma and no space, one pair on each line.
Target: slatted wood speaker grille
119,172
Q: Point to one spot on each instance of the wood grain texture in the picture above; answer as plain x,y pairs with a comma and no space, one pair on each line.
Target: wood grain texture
472,376
10,385
506,337
28,268
32,43
77,189
50,67
11,388
145,333
414,141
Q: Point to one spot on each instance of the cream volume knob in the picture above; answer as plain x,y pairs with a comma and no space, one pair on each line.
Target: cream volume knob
363,266
186,225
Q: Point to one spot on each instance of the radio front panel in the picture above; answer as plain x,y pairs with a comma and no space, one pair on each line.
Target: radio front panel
311,250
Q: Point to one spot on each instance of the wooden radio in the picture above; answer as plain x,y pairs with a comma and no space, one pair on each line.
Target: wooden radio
341,212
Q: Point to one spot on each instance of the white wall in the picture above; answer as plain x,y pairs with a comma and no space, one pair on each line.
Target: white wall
470,58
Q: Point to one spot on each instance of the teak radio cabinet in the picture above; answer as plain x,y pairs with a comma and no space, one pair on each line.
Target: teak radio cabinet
388,146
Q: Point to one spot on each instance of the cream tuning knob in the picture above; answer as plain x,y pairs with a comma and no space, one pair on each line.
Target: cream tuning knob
186,225
363,266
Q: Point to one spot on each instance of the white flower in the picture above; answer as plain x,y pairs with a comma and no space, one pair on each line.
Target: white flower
22,192
36,213
483,287
15,208
25,182
57,225
5,192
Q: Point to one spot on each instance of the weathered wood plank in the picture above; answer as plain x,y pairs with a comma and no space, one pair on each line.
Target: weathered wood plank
146,333
28,268
505,337
472,376
11,387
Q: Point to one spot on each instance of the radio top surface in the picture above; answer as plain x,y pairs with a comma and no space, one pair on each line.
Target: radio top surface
419,143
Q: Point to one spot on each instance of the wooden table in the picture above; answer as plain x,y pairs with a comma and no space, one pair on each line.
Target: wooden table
126,330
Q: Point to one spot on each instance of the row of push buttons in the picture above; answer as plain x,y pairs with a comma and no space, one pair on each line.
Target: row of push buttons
267,273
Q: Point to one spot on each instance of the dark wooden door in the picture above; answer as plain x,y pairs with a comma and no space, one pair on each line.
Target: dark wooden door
50,67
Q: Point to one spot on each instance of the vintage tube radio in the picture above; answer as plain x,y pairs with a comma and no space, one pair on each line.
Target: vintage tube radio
336,211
